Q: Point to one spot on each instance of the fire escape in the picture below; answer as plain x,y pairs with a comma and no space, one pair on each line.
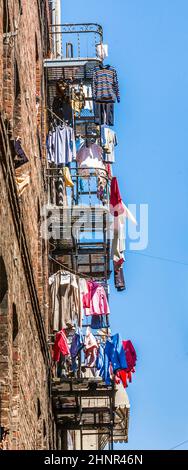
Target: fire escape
92,413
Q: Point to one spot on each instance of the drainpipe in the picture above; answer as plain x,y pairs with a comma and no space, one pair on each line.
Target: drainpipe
58,28
53,2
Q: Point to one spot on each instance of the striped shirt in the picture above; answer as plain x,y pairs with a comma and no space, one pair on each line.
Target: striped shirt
105,84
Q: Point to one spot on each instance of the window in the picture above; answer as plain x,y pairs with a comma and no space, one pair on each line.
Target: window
6,19
3,281
20,7
38,408
14,324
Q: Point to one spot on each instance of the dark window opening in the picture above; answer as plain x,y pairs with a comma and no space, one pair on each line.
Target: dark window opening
38,408
38,212
44,428
39,144
20,7
6,18
15,324
17,82
3,280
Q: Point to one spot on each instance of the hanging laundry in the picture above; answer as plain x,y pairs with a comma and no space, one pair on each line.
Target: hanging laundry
65,300
90,349
105,84
108,142
104,113
119,280
77,99
130,354
84,293
61,148
60,346
90,157
101,184
76,346
98,321
116,204
77,343
126,375
20,157
115,352
102,364
102,51
96,300
67,177
118,242
87,89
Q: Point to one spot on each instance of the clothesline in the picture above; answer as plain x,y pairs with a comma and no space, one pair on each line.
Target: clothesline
160,258
69,269
52,112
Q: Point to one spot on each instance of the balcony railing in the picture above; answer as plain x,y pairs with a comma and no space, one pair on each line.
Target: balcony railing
70,41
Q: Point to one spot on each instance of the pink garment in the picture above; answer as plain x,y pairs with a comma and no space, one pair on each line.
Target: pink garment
60,346
96,300
116,204
86,299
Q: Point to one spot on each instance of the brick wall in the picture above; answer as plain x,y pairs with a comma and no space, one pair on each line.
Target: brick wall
25,408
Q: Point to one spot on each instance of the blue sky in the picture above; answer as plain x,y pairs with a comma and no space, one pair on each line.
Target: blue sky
148,45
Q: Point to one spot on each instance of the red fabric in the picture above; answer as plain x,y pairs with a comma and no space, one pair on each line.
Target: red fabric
121,374
130,354
87,297
125,375
116,205
118,264
60,346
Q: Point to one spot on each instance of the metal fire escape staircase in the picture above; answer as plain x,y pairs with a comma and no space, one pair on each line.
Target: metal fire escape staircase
84,405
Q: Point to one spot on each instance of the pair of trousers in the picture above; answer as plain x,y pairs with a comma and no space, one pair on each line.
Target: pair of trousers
119,280
104,113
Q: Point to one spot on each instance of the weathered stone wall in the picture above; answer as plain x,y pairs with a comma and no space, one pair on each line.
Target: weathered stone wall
25,407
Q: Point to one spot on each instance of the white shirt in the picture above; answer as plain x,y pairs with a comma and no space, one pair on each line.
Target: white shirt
108,141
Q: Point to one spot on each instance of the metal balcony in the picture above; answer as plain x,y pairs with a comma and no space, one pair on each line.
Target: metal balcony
73,59
92,409
75,41
78,225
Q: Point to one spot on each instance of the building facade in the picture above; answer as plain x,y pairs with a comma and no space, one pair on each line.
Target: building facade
25,407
